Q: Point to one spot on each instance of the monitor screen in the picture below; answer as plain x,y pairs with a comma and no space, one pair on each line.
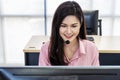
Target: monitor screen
91,19
60,73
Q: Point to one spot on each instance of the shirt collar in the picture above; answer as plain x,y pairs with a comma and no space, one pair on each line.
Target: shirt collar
81,47
80,51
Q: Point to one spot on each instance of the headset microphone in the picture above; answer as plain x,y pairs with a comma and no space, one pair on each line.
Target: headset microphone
67,42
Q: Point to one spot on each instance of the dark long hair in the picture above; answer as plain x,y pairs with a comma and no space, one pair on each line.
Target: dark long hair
56,47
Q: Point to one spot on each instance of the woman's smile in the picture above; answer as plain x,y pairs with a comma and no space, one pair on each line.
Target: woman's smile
68,36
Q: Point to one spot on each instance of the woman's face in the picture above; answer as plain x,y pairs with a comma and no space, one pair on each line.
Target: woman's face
69,28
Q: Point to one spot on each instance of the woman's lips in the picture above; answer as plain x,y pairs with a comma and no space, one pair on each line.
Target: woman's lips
68,37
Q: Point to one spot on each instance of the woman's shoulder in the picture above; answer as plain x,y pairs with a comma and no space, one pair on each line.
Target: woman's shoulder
45,44
89,46
88,43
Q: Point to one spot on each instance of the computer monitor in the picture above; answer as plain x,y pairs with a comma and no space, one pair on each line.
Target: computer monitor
91,19
60,73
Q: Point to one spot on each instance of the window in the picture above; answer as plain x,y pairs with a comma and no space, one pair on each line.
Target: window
20,19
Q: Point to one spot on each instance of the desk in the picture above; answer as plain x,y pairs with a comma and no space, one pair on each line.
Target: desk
108,46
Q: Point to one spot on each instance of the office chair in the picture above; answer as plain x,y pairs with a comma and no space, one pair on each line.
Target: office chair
92,22
100,26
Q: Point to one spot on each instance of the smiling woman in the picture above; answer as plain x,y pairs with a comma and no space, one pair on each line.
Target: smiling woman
69,28
68,25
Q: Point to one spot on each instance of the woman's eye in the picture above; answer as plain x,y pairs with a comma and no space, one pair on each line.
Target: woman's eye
74,26
63,26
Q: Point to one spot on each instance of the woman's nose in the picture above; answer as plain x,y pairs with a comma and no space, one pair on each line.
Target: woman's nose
69,30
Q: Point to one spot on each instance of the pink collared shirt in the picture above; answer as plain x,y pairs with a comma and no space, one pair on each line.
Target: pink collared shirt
86,55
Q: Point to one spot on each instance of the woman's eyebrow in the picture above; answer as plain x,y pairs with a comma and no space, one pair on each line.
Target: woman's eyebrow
72,23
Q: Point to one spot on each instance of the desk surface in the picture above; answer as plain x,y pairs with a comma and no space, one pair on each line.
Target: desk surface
105,44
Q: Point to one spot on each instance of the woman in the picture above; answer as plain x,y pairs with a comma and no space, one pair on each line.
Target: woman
68,45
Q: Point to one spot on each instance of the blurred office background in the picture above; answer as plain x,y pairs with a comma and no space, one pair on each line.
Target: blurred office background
20,19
